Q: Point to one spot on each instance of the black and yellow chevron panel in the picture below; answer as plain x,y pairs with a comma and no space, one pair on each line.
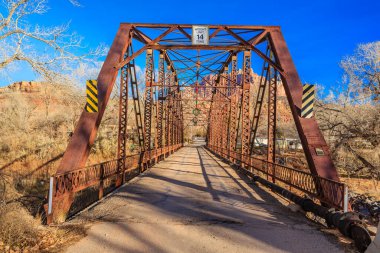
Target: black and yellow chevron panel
92,96
308,97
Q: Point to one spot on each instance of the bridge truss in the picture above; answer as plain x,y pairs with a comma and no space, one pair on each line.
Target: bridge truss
203,86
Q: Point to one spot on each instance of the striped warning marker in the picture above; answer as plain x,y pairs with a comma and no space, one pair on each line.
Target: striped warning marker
308,97
92,96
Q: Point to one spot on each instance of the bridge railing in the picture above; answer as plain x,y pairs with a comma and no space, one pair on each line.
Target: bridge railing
325,190
84,186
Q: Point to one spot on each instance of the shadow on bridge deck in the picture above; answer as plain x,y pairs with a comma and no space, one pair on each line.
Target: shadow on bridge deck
193,202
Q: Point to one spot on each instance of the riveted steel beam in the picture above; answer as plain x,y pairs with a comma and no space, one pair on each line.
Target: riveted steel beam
245,120
272,109
84,134
123,120
148,106
311,137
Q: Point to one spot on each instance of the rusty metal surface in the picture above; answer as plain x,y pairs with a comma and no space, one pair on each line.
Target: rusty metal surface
225,103
84,135
123,118
272,109
259,101
308,130
67,184
168,109
235,91
160,102
136,103
299,180
311,136
148,105
245,119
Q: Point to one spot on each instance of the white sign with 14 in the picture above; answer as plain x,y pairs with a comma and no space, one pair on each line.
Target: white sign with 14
200,35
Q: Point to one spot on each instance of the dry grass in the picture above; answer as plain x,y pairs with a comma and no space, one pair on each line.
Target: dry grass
18,228
35,131
368,187
20,232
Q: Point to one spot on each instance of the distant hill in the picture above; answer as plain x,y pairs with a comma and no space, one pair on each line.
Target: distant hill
23,86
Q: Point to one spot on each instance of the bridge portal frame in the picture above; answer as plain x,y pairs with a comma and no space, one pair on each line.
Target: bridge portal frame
83,138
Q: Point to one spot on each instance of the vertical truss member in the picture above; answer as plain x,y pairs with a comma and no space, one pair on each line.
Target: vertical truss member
148,99
182,127
160,101
211,122
217,118
245,121
168,107
178,108
225,111
154,115
171,122
233,107
179,121
272,109
264,77
174,117
123,118
239,117
136,103
218,111
136,107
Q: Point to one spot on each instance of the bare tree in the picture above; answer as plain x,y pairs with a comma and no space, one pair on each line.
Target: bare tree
350,115
362,70
49,51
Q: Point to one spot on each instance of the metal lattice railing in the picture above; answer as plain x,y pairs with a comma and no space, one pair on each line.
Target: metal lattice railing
77,180
327,191
85,186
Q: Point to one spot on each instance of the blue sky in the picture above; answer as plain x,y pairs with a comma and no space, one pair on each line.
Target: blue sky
318,33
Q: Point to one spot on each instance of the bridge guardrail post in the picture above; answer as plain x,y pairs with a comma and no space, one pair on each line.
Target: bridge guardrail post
101,182
124,169
250,164
345,199
119,172
141,162
49,207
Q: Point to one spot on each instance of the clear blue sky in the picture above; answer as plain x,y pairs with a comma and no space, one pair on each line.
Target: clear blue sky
318,33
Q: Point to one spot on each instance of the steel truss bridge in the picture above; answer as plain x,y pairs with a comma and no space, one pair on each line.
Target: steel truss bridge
207,86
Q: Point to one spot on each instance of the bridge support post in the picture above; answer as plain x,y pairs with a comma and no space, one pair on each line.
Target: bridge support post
148,103
245,121
84,134
233,108
160,102
168,105
312,140
225,114
272,108
101,183
123,120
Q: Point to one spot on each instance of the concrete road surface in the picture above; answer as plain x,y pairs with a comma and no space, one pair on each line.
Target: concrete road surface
192,202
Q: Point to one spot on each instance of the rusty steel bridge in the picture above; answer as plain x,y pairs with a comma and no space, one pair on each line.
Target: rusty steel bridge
203,82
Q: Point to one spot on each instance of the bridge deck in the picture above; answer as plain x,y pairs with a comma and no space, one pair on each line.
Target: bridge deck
193,202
